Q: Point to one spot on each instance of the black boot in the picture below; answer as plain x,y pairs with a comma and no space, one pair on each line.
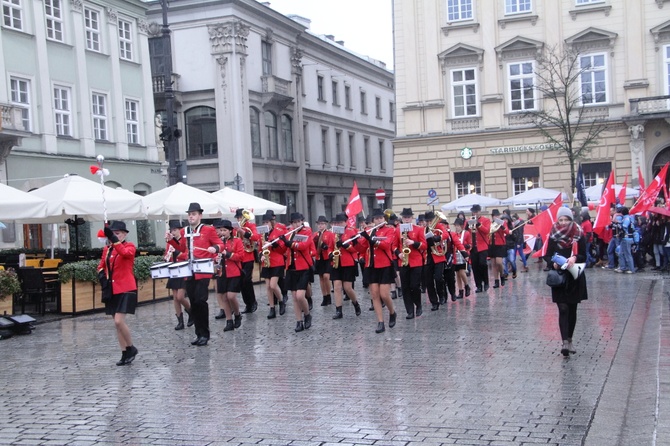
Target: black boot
308,321
299,326
124,357
467,290
372,307
191,321
273,313
338,313
282,307
380,327
460,295
326,301
238,320
229,326
221,315
309,302
180,322
357,308
131,352
496,284
394,295
392,318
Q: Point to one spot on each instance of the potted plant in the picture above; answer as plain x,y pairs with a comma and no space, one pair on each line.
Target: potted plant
9,285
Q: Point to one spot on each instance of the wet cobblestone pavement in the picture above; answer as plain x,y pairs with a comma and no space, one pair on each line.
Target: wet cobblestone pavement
482,371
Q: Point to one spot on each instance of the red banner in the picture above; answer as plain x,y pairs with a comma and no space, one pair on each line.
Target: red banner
603,215
648,197
543,222
354,206
622,192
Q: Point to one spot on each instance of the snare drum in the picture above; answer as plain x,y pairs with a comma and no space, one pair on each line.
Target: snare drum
203,266
180,269
160,270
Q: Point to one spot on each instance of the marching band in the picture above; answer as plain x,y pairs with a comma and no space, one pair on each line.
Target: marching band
428,256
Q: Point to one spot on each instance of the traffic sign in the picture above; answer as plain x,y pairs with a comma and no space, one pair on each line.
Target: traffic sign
380,194
432,193
433,201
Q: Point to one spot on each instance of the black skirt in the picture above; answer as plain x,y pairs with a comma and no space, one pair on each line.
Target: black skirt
122,303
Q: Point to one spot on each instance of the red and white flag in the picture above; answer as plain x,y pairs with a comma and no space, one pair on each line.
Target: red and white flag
622,192
648,197
603,214
354,206
543,222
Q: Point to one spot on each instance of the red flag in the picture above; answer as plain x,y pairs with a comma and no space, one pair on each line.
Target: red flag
648,197
544,221
603,214
622,192
354,206
640,178
665,196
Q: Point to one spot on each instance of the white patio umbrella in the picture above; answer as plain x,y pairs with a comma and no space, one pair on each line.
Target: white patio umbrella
18,205
174,201
467,201
234,199
78,197
594,193
534,196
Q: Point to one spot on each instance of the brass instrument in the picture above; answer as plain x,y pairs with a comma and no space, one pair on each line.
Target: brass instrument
318,244
266,258
387,214
246,217
495,225
369,230
405,249
268,244
336,253
438,249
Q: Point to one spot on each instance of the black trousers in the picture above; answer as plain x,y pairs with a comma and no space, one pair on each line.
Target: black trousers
567,319
198,292
248,294
450,279
480,269
410,281
433,280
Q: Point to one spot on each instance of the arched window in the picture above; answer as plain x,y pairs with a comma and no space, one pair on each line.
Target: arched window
287,136
255,119
271,130
200,132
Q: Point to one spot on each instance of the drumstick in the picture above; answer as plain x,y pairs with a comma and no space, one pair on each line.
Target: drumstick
201,249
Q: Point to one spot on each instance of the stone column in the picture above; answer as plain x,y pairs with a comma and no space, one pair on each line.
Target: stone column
298,131
637,152
229,48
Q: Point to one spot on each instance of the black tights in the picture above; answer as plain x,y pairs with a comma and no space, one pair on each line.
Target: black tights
567,319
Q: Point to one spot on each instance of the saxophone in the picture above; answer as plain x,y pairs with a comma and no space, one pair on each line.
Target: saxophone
336,253
266,254
318,244
405,250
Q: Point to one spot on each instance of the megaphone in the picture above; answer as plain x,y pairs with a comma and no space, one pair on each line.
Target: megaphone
575,270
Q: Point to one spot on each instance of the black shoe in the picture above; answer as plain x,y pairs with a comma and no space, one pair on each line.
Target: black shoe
460,295
247,310
380,327
419,311
467,290
409,316
326,301
392,318
357,308
229,326
486,287
338,313
195,342
394,295
453,298
202,341
238,320
372,307
221,315
309,303
273,313
284,298
299,326
478,290
191,321
435,307
502,281
496,284
308,321
282,307
124,357
546,269
254,306
130,354
346,297
180,322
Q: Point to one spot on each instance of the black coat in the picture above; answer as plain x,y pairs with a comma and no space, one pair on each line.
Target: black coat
575,291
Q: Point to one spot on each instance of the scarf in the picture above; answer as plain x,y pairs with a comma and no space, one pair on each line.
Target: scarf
566,235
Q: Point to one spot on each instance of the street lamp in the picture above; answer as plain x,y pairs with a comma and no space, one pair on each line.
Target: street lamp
170,134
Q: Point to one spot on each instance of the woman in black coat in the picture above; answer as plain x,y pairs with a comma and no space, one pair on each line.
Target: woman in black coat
567,239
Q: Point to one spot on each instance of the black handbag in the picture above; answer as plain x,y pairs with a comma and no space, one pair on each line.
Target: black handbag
105,287
557,279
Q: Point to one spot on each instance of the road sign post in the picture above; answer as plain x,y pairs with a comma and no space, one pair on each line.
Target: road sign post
380,194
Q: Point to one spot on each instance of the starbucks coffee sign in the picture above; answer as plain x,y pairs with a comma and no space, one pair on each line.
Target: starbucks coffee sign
524,148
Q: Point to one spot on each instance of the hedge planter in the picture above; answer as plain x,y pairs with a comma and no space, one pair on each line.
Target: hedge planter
85,296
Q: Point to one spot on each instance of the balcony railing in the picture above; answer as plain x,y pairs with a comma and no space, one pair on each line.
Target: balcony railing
651,105
12,118
159,83
273,84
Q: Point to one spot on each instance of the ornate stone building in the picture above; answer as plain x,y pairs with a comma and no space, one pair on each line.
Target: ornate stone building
466,73
267,106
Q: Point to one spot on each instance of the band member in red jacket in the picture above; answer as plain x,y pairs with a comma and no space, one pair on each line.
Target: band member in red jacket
176,284
480,227
344,266
118,259
376,246
298,268
460,260
230,273
324,241
436,259
201,242
412,246
498,248
249,235
273,263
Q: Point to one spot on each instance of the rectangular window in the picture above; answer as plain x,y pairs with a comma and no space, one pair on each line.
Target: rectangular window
338,148
125,40
92,25
366,153
517,6
378,107
324,146
593,78
521,86
53,12
266,54
382,156
11,14
347,96
336,99
132,121
468,183
459,10
525,178
99,111
666,68
364,103
20,96
596,173
319,88
352,151
464,85
391,111
62,111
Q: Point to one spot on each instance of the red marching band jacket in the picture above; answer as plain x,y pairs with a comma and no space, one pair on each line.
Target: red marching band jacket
348,255
207,237
248,242
232,266
443,232
482,233
121,261
378,254
417,234
277,251
321,238
453,244
300,253
465,238
498,237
